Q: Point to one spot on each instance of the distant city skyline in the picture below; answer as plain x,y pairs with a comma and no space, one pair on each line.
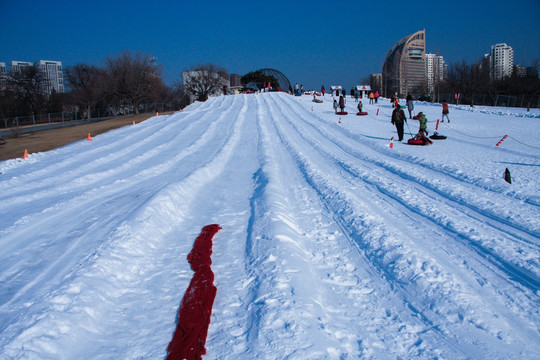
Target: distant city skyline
314,43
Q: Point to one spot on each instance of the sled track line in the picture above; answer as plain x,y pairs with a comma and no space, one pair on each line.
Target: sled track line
512,270
113,159
481,217
378,271
392,170
401,303
346,148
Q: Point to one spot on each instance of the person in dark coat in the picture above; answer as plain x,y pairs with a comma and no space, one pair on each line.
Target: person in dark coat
342,103
410,105
398,119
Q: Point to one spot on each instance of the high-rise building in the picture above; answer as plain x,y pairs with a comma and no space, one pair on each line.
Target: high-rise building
501,61
375,82
435,72
235,80
16,66
3,76
404,69
52,71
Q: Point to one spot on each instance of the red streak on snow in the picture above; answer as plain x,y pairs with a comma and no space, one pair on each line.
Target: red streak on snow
196,308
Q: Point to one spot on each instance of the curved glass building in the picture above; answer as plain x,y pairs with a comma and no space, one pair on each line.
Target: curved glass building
404,70
283,82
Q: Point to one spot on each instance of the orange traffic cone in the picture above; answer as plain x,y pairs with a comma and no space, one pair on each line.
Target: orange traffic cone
391,143
89,137
25,156
339,120
437,126
377,112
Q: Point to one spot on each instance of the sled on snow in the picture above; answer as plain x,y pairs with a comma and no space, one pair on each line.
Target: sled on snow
341,113
317,101
419,139
415,117
437,136
361,113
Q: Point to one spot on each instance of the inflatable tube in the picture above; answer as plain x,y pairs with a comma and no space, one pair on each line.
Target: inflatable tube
317,101
403,106
342,113
437,137
416,142
361,113
415,117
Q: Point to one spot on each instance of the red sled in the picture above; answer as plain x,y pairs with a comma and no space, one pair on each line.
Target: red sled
342,113
415,117
416,142
361,113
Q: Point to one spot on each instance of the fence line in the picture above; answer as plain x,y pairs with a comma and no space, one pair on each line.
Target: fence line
11,127
521,100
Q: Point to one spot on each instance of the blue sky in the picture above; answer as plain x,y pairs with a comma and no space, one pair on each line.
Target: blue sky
311,42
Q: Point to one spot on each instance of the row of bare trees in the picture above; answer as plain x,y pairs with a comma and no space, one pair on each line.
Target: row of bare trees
127,79
469,81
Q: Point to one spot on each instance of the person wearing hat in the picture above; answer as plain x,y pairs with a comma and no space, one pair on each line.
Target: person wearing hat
423,122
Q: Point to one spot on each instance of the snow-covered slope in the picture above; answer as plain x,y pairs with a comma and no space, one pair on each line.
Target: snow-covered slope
334,245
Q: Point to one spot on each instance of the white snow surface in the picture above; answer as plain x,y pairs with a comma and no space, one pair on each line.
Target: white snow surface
334,245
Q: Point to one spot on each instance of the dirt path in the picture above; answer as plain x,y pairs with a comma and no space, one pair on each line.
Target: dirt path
50,139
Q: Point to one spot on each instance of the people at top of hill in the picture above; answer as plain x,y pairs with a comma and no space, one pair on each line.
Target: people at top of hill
410,105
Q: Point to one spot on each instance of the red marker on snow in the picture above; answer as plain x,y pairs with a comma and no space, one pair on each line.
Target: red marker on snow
500,141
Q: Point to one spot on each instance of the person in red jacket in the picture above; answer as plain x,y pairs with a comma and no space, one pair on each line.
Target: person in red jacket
445,111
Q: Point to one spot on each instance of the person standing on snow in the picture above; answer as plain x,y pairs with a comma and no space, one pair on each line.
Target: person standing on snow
335,105
322,90
410,105
376,96
371,97
398,118
360,106
445,111
342,103
423,123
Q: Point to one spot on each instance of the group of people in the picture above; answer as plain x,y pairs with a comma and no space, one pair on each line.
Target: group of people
399,118
340,103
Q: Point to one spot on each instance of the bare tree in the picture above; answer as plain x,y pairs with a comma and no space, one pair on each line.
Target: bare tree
465,80
86,82
133,78
204,79
28,85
